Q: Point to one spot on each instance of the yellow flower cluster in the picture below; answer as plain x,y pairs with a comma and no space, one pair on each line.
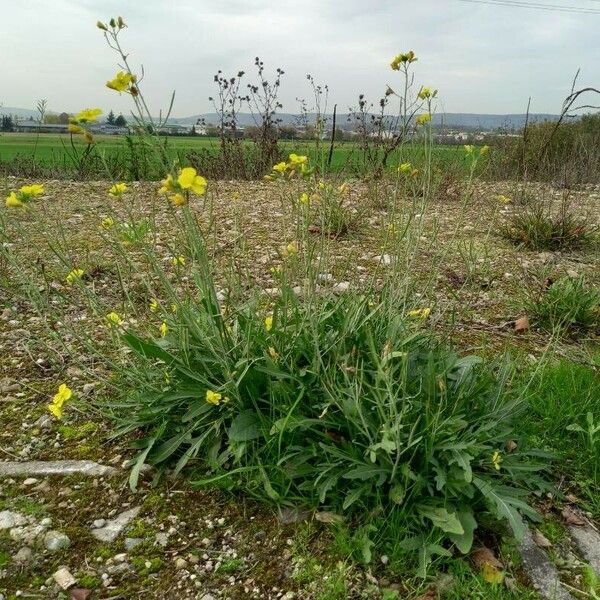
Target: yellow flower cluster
81,119
402,59
297,163
423,119
497,460
117,190
290,250
74,275
425,93
63,394
114,319
407,169
25,194
470,150
419,313
188,181
123,82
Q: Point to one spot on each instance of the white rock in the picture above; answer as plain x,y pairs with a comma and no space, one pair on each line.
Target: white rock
9,519
99,523
30,481
55,540
64,578
23,556
114,527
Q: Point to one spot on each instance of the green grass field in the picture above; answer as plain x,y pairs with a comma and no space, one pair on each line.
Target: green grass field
54,149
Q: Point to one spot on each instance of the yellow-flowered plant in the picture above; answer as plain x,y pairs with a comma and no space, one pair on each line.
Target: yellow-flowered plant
290,250
164,329
423,119
403,60
123,82
296,164
269,322
107,223
179,189
77,124
74,275
154,305
469,149
56,406
304,198
426,93
26,193
419,313
497,460
117,190
213,397
114,319
178,261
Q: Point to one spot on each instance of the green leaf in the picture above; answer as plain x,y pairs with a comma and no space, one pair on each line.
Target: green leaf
147,349
169,447
442,518
397,493
507,506
245,427
464,541
364,472
140,460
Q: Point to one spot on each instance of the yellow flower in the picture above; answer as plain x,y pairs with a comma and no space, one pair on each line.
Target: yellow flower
290,250
32,191
426,92
164,329
178,260
423,119
213,397
321,185
74,128
421,313
304,198
269,323
63,394
296,159
280,167
154,305
174,308
268,178
273,353
107,223
503,199
167,185
392,228
235,196
121,82
178,199
114,318
189,179
13,201
469,149
74,275
405,167
399,59
496,460
88,115
484,150
117,190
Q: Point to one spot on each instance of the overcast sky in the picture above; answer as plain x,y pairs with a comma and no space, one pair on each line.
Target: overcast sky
482,58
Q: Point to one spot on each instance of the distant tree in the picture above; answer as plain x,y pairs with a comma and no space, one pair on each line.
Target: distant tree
110,119
252,132
63,118
7,123
287,132
120,121
193,130
212,131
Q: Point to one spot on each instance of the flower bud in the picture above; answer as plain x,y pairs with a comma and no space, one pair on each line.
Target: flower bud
121,23
101,25
112,23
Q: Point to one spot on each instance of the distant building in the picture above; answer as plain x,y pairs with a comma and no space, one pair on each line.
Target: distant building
107,129
31,126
